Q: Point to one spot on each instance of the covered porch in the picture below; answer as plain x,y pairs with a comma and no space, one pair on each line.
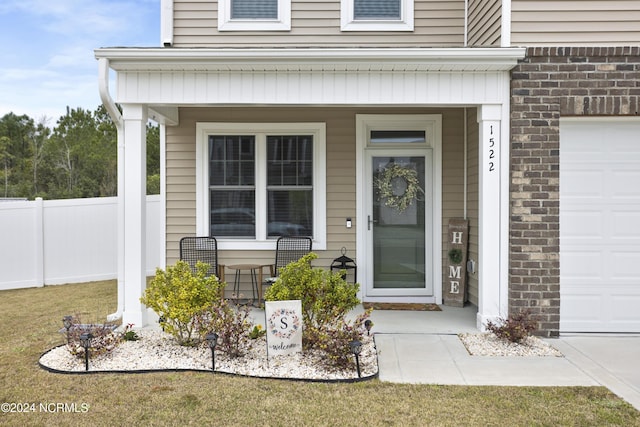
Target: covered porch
458,97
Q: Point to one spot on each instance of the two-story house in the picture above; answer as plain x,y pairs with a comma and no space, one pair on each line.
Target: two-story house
370,124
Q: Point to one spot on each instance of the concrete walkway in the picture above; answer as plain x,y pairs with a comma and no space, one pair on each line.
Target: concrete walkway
422,347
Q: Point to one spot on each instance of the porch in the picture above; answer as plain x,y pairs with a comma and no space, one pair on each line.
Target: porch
202,97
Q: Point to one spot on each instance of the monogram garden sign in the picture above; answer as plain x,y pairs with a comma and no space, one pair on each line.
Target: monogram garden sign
284,327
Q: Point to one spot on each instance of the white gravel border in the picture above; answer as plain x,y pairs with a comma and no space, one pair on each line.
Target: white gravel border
159,351
487,344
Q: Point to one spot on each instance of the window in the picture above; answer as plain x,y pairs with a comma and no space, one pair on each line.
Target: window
253,186
254,15
377,15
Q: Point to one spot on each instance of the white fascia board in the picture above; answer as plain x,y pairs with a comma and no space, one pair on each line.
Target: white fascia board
372,59
166,22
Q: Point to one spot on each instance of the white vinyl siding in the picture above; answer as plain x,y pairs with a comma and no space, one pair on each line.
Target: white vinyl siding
575,23
313,23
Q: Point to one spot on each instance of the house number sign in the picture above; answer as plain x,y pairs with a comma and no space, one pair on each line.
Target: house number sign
492,148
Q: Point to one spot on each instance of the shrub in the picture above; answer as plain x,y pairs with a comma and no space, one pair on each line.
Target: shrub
129,334
105,338
178,296
326,299
516,328
334,339
233,326
325,296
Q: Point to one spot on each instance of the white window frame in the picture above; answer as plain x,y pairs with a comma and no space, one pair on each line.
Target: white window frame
282,23
261,130
349,23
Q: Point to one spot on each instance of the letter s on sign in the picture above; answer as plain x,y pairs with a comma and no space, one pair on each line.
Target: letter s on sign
284,325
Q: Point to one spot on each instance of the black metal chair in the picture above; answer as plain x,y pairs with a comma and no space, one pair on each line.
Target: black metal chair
203,249
288,249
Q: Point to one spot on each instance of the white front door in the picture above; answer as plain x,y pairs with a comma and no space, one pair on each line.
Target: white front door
398,247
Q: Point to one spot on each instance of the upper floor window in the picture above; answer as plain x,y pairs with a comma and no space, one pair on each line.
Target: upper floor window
377,15
254,15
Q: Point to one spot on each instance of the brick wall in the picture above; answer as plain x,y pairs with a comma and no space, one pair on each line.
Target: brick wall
547,84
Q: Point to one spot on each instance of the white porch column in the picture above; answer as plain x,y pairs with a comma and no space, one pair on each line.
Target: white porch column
134,198
493,209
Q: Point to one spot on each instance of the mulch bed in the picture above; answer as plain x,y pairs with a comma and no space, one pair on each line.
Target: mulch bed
401,306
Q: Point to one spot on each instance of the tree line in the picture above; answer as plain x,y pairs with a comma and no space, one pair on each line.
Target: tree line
77,158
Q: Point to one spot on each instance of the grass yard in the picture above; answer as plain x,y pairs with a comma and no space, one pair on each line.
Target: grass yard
32,317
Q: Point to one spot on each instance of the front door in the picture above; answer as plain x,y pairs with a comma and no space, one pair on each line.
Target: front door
399,222
399,207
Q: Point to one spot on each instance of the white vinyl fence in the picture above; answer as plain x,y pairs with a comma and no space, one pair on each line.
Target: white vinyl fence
66,241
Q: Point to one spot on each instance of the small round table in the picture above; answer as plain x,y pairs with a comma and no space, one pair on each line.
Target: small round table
252,273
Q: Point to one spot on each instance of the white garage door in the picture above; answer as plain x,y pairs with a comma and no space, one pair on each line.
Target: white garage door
599,225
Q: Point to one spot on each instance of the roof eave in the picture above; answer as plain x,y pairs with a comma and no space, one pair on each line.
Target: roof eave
311,59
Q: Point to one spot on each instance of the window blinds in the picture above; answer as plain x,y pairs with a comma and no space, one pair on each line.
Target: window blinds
254,9
377,9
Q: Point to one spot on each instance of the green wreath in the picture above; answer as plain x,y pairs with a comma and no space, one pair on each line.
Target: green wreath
389,184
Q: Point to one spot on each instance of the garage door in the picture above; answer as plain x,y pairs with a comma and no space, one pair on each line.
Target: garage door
600,225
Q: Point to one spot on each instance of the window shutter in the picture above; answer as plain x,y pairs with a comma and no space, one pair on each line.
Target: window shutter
377,9
254,9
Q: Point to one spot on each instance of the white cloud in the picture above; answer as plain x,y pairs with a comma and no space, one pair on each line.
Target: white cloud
50,63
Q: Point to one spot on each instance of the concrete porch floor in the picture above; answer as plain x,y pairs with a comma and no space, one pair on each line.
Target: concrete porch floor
449,321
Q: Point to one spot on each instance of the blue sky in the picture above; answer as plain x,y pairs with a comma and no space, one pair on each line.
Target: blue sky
46,54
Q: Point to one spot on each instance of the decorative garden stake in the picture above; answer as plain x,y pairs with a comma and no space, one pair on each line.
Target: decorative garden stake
85,341
356,348
67,321
161,322
368,324
212,340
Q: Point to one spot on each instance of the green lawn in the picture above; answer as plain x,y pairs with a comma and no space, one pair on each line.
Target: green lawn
32,317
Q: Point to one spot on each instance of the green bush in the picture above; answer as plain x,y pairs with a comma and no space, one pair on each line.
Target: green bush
326,299
178,296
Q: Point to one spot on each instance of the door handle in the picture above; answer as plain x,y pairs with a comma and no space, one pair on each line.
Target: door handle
370,221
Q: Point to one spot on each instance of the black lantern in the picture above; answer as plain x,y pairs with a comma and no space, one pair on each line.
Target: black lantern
67,321
356,348
368,324
345,263
85,341
212,341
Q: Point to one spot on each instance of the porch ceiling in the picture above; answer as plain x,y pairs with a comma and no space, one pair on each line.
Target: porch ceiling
304,60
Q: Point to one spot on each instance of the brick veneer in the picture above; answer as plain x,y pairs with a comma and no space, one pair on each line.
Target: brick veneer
547,84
